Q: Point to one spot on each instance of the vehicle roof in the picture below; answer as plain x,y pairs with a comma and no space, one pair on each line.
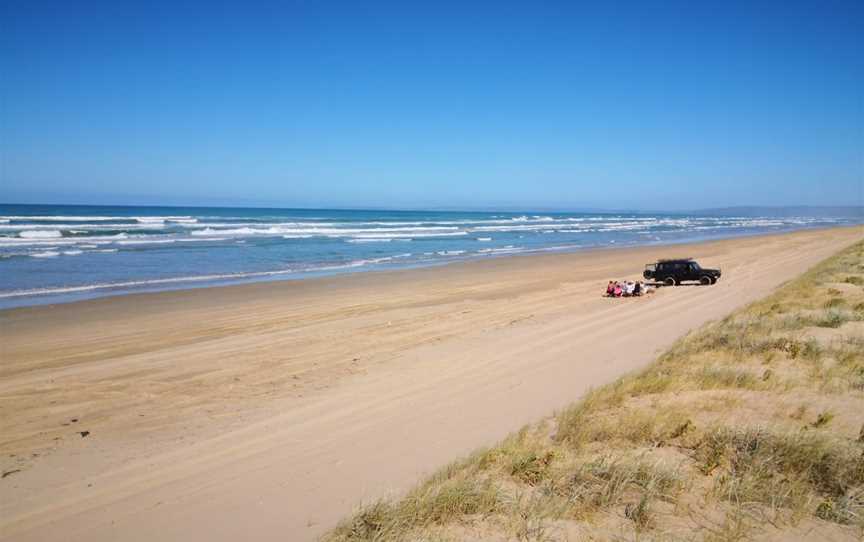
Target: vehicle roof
672,260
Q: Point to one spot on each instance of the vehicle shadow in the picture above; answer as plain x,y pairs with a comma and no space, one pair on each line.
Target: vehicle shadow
663,285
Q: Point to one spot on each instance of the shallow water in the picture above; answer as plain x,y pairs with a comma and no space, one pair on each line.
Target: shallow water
52,254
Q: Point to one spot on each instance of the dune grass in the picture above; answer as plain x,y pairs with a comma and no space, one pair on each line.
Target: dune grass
751,426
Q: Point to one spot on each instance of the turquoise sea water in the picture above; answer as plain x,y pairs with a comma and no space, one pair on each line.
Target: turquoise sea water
52,254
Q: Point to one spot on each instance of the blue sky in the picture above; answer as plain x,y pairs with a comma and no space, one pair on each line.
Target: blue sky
393,105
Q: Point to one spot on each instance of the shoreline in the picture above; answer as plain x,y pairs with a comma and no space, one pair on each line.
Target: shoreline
269,409
191,283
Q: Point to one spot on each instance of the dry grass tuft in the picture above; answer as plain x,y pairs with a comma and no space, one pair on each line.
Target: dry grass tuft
434,503
856,280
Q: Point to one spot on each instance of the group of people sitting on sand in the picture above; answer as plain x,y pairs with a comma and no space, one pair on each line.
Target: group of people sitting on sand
627,288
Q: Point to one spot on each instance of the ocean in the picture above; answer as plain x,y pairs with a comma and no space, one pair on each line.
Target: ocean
58,253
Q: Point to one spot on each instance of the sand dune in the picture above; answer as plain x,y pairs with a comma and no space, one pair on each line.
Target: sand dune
270,410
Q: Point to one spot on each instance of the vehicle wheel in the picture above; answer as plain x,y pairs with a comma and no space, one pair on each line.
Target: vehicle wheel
705,280
713,280
670,281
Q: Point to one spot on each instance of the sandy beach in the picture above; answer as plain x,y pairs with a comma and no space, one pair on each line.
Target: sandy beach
270,410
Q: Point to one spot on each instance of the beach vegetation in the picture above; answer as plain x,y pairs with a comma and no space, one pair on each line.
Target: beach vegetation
748,427
854,279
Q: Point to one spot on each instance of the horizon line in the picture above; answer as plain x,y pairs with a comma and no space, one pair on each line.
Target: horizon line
503,209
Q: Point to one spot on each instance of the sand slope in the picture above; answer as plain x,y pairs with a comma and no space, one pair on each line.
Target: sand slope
270,410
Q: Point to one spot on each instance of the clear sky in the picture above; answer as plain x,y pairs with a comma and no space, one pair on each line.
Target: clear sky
652,105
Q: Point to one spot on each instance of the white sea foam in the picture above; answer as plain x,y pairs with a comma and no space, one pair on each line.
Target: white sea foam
56,218
230,225
83,242
484,238
72,252
420,224
118,222
324,232
622,227
380,240
162,219
408,229
503,250
141,240
236,231
65,241
523,227
396,236
46,254
146,241
40,234
462,223
82,227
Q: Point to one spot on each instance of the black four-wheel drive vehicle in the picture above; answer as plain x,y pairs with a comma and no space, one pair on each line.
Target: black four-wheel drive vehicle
672,272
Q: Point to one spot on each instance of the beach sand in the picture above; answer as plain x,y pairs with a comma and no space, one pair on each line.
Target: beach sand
268,411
